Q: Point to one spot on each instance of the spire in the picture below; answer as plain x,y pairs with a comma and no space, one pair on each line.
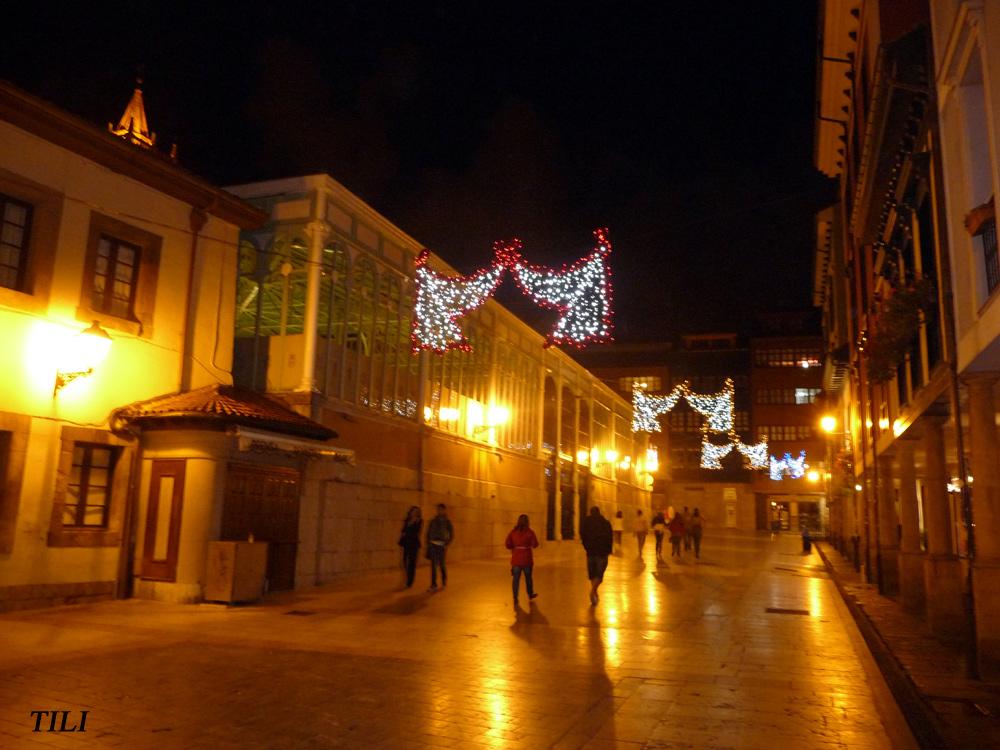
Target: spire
132,126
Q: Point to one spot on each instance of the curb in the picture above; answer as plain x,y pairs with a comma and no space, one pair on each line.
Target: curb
923,722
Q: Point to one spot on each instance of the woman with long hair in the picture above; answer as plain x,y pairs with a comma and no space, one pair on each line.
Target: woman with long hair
409,540
521,541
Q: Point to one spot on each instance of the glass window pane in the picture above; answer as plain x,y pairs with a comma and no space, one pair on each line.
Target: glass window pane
93,515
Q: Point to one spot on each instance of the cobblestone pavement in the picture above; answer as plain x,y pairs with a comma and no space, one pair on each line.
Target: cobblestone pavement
962,712
682,655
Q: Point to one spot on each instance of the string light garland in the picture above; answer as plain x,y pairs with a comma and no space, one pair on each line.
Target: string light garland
716,407
580,292
442,300
794,468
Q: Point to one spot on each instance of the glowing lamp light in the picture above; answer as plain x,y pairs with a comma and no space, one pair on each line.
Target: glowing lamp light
610,456
595,455
83,354
497,415
858,488
582,457
448,414
828,423
813,476
652,460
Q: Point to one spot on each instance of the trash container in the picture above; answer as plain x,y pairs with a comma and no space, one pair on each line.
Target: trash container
235,571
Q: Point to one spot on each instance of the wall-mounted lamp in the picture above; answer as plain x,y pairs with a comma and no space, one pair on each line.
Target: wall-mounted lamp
828,423
85,351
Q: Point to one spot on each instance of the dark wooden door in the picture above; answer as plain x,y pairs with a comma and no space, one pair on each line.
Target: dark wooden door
161,543
264,501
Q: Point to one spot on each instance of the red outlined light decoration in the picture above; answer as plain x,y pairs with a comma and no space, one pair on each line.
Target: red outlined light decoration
442,300
581,292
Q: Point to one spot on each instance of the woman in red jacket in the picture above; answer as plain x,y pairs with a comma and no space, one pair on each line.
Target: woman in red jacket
520,541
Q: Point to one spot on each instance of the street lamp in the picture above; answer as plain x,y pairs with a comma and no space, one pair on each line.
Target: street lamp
828,423
84,352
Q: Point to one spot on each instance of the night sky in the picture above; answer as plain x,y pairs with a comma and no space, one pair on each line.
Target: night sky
686,128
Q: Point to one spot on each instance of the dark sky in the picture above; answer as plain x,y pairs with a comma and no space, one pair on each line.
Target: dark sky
684,127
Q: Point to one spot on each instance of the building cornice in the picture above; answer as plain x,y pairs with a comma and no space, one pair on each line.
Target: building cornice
61,128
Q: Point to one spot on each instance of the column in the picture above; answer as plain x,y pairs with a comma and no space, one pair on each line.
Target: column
888,527
318,233
557,449
943,580
911,556
986,512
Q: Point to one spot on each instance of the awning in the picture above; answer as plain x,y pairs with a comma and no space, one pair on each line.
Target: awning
258,441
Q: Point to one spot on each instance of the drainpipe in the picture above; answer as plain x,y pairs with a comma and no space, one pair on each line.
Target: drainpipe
197,220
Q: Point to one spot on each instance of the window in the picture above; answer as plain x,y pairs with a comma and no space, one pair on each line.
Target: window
88,492
804,357
15,226
645,382
780,432
806,395
115,273
118,288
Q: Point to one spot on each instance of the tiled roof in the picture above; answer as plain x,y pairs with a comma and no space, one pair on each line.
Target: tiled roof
229,404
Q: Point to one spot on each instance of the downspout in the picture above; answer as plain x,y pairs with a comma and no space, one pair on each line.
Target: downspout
197,220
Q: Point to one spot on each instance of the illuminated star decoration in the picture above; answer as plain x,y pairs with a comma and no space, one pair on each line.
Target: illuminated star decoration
717,407
794,468
442,300
581,293
647,409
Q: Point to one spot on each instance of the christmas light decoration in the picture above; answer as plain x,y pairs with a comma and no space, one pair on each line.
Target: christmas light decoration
712,455
441,300
718,407
647,409
581,293
794,468
755,454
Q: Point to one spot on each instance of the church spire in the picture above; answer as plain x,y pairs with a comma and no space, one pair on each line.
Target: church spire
133,126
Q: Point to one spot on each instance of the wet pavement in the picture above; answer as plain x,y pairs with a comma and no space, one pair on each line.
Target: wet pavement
750,647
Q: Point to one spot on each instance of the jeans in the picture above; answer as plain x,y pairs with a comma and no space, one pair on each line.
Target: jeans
436,554
640,540
659,542
675,543
696,538
516,582
410,563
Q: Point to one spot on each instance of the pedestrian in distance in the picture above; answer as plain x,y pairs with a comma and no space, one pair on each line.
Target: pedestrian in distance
618,527
687,529
659,529
440,533
697,526
641,529
676,529
521,540
595,533
409,540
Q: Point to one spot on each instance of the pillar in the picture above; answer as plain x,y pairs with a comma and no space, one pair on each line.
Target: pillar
888,526
911,556
556,450
943,580
318,233
986,512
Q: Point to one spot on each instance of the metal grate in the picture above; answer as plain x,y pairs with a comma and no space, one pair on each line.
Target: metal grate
781,611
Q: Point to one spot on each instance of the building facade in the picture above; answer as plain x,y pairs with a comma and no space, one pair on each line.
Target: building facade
905,272
323,318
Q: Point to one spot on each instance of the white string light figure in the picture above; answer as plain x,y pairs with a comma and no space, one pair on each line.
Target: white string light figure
756,454
712,455
581,293
442,300
647,409
718,408
794,468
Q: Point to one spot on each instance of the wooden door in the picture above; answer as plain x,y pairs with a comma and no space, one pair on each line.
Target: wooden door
264,501
161,543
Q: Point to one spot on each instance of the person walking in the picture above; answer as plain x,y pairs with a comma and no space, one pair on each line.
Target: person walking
440,533
521,540
409,540
641,529
618,526
697,526
659,529
595,533
676,529
687,529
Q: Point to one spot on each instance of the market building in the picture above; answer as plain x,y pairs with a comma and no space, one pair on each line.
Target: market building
323,319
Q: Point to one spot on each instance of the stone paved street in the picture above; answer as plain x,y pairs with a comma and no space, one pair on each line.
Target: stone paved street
684,655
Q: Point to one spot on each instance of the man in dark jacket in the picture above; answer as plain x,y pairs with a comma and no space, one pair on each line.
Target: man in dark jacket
595,533
439,535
